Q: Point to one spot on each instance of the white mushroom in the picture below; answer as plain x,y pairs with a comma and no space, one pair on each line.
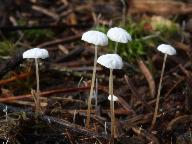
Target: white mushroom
95,37
167,50
36,53
98,39
114,98
111,61
118,35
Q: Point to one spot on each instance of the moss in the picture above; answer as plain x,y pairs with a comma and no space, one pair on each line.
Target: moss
7,48
35,35
144,35
133,49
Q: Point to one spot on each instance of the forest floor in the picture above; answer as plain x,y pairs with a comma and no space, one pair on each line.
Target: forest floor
65,77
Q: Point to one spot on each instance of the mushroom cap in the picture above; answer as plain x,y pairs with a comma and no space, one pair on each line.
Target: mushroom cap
36,53
166,49
119,35
111,61
95,37
114,98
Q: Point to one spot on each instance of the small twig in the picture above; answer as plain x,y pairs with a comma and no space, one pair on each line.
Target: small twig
145,134
180,119
174,86
125,105
59,27
136,120
148,76
71,55
135,93
45,93
14,22
160,7
46,12
14,78
74,127
58,41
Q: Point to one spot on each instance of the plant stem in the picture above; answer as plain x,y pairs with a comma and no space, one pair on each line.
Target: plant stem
96,93
158,93
123,12
112,104
91,90
37,90
116,45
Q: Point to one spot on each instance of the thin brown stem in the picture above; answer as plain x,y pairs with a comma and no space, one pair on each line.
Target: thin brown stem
91,90
38,89
158,93
112,104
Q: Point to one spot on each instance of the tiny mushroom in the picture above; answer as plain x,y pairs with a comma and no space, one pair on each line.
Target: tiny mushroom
111,61
36,53
167,50
98,39
115,98
95,37
118,35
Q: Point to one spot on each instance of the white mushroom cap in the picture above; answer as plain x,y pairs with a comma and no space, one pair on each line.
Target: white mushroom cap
95,37
36,53
166,49
114,98
111,61
119,35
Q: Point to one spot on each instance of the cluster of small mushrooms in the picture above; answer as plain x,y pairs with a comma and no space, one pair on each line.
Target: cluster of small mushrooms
110,61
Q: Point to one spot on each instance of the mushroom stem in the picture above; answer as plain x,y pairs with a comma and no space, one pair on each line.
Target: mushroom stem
158,93
112,104
91,90
116,45
96,93
37,90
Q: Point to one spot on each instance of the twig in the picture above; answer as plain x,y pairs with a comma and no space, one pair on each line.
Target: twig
71,55
20,76
174,86
46,12
136,120
160,7
60,27
14,22
148,76
180,119
135,93
45,93
125,105
74,127
58,41
145,134
120,111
